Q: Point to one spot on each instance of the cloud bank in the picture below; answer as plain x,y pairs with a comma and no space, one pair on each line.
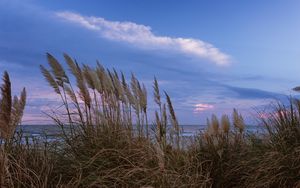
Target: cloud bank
142,36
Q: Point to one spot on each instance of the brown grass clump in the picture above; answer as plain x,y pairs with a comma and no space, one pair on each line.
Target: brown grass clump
26,165
21,165
113,146
277,161
23,162
109,132
107,140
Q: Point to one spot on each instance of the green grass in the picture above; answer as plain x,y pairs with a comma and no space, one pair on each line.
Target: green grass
104,149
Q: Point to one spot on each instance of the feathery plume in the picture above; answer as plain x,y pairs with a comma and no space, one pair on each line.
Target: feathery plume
57,70
173,119
50,79
225,123
5,105
70,93
11,110
87,72
215,124
81,84
238,121
156,93
18,109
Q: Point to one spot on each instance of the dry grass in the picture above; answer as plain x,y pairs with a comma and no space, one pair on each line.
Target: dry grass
108,141
11,109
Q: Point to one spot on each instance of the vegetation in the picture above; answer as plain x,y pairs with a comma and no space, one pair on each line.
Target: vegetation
108,141
11,109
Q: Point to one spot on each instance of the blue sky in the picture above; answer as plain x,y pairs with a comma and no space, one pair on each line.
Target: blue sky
210,56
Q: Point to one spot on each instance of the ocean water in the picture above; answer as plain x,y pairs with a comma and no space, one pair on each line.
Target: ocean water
52,131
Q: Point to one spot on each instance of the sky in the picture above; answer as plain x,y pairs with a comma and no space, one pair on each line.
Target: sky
210,56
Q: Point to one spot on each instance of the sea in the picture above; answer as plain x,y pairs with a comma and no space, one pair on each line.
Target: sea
52,131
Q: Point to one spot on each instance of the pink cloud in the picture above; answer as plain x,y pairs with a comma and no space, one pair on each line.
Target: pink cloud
272,115
202,107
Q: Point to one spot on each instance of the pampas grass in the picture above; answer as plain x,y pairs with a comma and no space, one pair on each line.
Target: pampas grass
107,141
11,109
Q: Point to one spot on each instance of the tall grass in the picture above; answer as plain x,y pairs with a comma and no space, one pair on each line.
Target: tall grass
11,109
108,140
17,161
108,121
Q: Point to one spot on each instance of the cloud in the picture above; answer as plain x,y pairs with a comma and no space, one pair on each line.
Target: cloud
202,107
143,37
10,65
253,93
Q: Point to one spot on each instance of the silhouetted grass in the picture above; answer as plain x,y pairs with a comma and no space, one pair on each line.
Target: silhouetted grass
110,143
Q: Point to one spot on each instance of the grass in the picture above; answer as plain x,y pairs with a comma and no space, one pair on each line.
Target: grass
109,142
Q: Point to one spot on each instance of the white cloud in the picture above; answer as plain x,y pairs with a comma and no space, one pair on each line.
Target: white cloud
142,36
